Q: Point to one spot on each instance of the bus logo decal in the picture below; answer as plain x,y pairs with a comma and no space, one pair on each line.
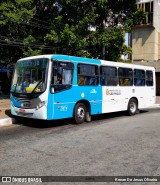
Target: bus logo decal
113,92
107,92
63,108
82,95
93,91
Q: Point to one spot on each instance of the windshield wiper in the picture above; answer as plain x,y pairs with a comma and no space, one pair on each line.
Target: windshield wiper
36,86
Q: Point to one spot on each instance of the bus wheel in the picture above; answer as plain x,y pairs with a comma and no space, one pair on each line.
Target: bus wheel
80,113
132,107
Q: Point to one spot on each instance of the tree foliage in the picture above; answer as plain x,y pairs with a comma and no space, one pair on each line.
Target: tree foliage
75,27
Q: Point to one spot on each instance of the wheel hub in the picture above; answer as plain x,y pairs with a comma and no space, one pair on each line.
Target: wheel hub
80,113
132,107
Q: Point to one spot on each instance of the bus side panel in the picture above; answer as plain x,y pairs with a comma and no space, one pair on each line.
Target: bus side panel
94,95
50,106
126,93
108,101
146,96
115,98
65,101
150,94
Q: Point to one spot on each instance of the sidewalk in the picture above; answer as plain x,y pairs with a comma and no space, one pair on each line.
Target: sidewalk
4,106
5,112
157,99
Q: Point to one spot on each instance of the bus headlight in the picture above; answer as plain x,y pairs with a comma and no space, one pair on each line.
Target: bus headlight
41,104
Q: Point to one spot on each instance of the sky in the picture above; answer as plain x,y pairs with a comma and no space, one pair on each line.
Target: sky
126,39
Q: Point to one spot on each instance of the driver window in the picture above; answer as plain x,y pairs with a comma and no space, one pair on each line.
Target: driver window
67,76
62,75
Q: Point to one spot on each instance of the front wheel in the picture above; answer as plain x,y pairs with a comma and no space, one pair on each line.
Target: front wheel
80,113
132,107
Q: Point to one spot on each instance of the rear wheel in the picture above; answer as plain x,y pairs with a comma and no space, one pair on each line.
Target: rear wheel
132,107
80,113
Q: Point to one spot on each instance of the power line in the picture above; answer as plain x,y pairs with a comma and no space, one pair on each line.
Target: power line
37,25
23,46
30,23
15,42
40,20
7,39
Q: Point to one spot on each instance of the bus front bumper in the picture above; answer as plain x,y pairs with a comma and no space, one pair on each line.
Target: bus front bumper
40,113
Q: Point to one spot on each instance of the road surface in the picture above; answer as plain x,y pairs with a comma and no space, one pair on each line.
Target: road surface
110,145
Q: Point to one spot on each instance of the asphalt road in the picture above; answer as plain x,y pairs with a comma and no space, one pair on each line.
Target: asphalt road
110,145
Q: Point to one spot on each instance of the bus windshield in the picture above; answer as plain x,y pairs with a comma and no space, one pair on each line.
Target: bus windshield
30,76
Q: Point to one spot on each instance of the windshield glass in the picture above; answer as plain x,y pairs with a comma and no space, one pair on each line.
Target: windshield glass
30,76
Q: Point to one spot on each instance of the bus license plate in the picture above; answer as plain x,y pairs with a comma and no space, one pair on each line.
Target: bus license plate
21,110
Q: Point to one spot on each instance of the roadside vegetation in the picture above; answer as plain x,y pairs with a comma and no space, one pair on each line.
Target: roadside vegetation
85,28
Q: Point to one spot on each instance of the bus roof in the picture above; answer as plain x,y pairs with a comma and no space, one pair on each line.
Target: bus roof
88,60
126,65
64,58
76,59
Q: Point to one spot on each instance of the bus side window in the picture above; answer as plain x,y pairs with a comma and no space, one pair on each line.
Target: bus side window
81,80
103,81
62,75
126,82
149,78
59,79
87,74
67,76
108,75
125,76
93,80
139,77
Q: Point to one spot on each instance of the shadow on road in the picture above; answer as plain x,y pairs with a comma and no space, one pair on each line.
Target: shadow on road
62,122
109,116
42,123
8,112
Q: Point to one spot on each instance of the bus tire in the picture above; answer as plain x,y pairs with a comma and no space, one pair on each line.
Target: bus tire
80,113
132,107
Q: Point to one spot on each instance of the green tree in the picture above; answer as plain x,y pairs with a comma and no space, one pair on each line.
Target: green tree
14,17
94,28
76,27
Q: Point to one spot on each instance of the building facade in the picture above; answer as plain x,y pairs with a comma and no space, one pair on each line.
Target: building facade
145,38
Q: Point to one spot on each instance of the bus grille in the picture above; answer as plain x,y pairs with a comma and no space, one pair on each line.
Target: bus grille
25,103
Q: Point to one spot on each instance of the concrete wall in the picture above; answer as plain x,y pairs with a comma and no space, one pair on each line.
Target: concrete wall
159,46
146,37
156,15
156,24
145,44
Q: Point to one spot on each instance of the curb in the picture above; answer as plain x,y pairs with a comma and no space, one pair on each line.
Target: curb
154,106
7,121
10,121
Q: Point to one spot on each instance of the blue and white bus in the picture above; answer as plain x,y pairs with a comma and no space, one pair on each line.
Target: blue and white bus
51,87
